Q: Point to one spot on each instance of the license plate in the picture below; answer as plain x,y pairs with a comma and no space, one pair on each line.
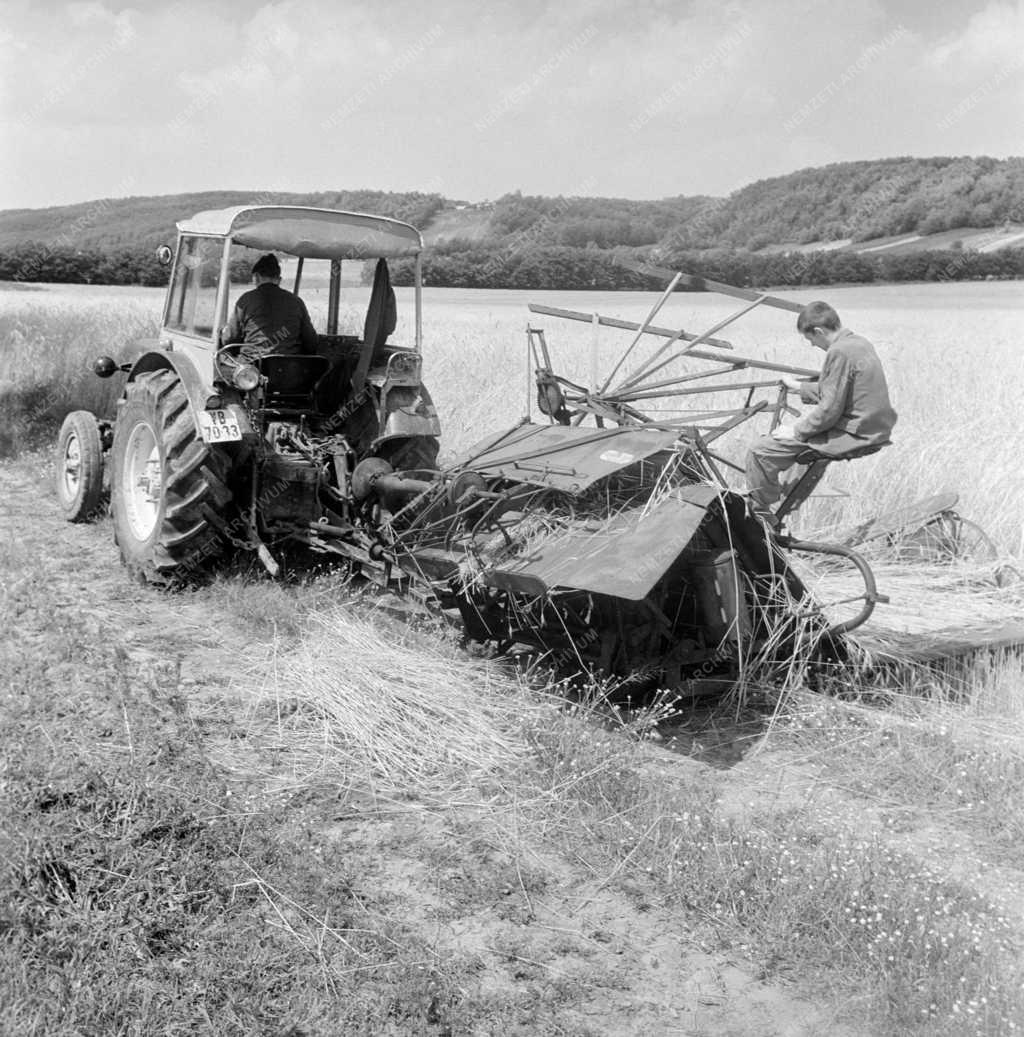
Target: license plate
218,426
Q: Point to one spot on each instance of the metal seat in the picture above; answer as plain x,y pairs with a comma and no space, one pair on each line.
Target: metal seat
816,463
291,380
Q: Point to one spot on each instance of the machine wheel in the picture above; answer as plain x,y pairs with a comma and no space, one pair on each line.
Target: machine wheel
973,543
79,466
411,453
165,482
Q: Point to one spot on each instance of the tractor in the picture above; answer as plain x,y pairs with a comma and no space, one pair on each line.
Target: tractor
206,452
601,537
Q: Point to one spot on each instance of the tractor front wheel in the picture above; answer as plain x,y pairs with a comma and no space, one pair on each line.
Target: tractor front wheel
166,483
79,466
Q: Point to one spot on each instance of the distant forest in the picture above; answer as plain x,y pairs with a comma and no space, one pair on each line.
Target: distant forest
563,267
568,268
865,200
146,223
529,241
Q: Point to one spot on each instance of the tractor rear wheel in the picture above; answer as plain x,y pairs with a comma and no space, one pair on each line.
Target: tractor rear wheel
79,466
413,453
166,483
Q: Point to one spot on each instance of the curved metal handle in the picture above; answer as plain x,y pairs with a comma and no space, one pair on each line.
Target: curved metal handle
871,595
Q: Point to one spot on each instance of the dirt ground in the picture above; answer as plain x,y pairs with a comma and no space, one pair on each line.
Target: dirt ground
572,953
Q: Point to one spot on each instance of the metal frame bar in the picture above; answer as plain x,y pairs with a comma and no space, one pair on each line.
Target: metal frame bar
640,331
871,596
703,284
333,297
696,390
642,374
168,295
745,415
418,299
618,322
683,378
220,308
700,354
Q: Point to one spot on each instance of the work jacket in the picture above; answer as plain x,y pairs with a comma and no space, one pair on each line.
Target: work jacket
851,398
270,319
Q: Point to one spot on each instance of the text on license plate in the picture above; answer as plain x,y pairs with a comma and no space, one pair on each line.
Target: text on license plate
219,426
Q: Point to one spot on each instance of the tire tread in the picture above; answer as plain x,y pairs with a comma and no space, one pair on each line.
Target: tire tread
195,484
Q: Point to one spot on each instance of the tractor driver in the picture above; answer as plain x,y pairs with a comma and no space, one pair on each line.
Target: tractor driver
852,408
269,319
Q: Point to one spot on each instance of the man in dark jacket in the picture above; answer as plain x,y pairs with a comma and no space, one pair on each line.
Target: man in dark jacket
851,406
269,319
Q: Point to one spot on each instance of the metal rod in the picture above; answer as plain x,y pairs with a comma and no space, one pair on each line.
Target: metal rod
725,461
618,322
695,390
701,354
418,299
223,289
871,595
657,353
693,342
298,274
780,406
340,532
745,415
531,355
696,376
665,363
595,326
703,284
640,331
333,296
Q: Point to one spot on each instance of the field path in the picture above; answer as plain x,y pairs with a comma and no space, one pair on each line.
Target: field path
80,565
571,954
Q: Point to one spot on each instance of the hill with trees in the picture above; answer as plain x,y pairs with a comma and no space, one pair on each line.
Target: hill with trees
109,224
884,219
859,201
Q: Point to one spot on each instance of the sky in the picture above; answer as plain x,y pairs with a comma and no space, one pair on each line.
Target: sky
625,98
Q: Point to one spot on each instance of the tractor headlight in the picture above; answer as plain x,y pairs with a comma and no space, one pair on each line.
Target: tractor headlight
246,377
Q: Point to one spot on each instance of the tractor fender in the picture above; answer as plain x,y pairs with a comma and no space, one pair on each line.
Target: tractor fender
198,392
407,410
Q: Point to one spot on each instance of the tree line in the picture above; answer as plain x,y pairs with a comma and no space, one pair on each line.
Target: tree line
855,201
560,267
860,201
35,261
113,224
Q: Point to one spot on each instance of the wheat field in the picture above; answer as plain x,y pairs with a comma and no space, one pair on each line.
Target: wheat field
952,352
834,814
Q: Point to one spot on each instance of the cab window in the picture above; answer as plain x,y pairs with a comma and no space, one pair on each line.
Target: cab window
193,299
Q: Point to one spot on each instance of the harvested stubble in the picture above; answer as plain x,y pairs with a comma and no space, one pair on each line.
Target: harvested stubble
931,606
394,713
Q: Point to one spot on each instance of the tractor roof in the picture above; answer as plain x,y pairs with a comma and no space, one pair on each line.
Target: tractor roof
311,233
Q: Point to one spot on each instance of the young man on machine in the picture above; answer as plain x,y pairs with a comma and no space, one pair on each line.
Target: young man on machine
851,415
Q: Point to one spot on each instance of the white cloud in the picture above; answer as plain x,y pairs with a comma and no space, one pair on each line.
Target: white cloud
652,99
991,37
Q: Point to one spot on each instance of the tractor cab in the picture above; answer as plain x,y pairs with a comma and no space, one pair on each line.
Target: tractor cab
323,253
356,365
